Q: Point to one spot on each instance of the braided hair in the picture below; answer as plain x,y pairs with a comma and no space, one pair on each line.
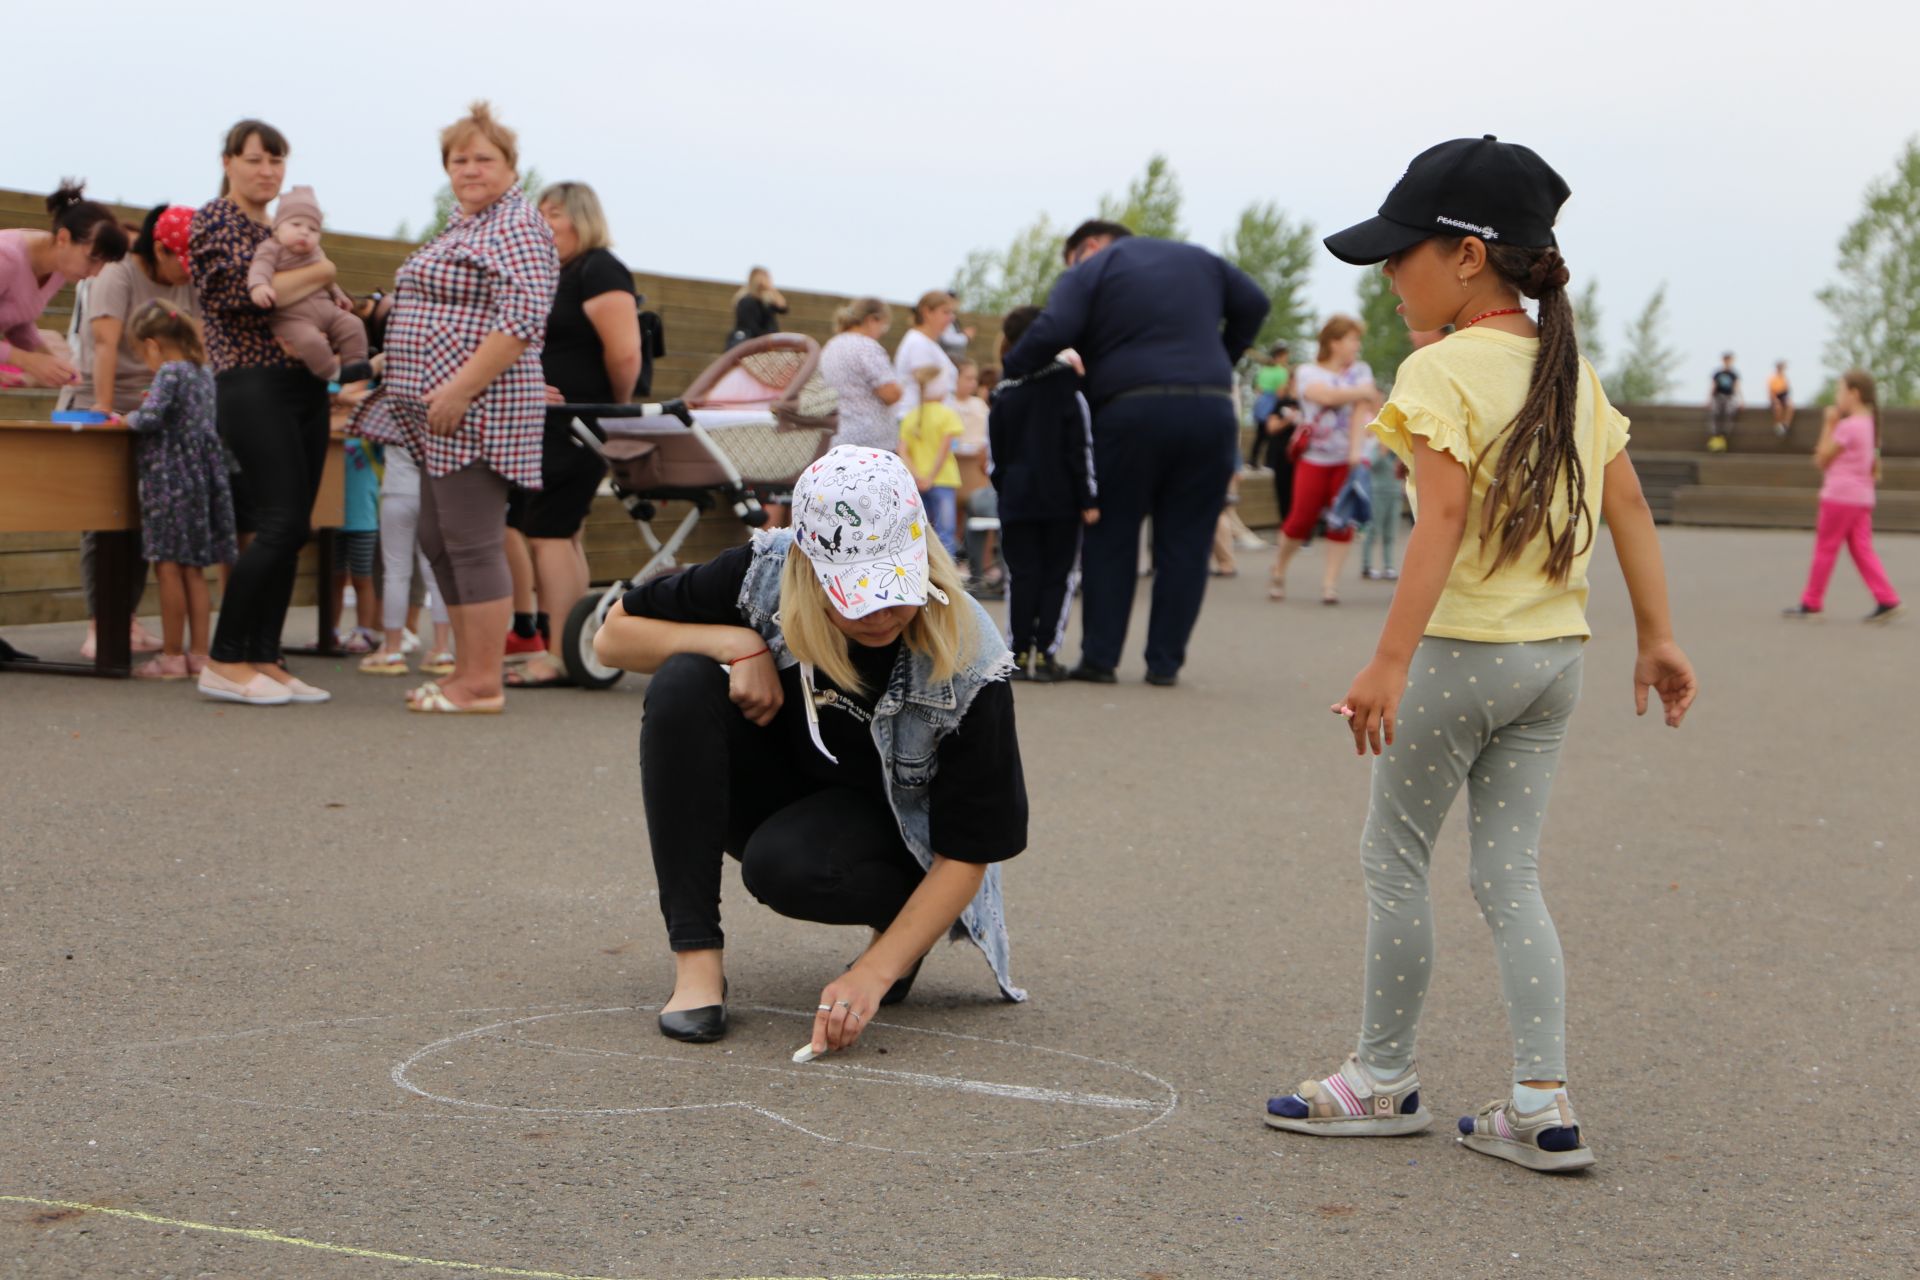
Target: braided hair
1539,444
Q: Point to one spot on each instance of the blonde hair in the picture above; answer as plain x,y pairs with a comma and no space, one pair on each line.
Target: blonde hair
759,284
942,632
479,119
170,327
582,207
1336,328
860,310
928,301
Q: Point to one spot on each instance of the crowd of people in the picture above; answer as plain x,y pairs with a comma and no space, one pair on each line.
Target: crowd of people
829,703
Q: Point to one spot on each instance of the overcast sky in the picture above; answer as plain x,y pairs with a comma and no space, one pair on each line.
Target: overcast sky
864,147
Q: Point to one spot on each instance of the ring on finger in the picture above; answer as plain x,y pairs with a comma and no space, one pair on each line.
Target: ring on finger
826,1008
843,1004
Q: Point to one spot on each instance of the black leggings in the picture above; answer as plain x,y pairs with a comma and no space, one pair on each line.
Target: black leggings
275,422
1041,557
714,783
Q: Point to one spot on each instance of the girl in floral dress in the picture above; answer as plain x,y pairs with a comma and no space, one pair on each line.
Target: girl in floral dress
186,508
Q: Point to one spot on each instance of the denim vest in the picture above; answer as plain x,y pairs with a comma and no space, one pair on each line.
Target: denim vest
913,713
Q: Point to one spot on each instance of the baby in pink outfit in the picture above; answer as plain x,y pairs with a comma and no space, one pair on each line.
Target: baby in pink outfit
326,337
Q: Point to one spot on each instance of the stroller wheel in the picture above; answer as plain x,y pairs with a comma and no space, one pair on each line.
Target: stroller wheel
576,644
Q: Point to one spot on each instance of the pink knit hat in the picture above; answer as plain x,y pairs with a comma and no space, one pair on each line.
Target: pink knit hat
298,201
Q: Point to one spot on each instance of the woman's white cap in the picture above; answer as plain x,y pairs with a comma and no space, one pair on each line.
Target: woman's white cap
858,517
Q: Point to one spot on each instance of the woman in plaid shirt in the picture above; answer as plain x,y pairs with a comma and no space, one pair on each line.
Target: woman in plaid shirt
463,392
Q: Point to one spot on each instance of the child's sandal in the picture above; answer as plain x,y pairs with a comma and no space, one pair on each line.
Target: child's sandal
1350,1103
382,663
1548,1140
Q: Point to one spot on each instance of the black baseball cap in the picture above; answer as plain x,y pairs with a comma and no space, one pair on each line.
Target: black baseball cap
1500,191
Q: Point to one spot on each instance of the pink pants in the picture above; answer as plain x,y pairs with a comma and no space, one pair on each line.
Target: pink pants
1844,522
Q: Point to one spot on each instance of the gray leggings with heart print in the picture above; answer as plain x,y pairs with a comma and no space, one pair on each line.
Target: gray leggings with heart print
1491,716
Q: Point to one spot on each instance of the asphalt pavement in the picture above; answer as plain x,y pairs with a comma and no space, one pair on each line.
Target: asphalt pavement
343,991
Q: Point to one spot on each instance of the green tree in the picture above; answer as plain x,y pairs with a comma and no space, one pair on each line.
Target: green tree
1646,370
1151,206
1876,301
995,281
1278,254
1586,323
1386,342
444,205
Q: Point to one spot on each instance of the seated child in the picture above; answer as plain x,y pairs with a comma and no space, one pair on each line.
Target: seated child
324,334
1040,440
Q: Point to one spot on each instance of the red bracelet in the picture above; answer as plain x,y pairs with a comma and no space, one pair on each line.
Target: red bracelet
756,653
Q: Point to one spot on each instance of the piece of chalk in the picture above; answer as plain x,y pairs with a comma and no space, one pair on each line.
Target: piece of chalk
805,1053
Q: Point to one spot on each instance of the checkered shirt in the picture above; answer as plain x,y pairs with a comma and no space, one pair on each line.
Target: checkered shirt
493,271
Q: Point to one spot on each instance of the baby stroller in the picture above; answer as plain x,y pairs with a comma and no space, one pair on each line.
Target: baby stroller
755,418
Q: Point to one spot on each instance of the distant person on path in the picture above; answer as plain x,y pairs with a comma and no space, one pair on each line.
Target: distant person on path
186,511
757,308
856,753
856,366
1516,457
1270,382
1780,397
1723,404
1849,453
1158,325
1040,432
1333,390
465,394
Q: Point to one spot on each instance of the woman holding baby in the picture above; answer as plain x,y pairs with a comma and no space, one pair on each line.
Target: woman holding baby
271,413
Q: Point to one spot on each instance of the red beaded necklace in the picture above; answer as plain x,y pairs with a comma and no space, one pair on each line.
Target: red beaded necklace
1488,315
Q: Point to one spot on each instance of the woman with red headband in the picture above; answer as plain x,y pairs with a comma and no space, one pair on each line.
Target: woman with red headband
114,378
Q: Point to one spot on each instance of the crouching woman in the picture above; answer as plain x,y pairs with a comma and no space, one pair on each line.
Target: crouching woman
831,708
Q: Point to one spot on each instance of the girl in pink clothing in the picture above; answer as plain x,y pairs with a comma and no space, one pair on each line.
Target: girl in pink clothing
1849,452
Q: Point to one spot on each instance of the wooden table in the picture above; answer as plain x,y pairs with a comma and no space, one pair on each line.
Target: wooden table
56,479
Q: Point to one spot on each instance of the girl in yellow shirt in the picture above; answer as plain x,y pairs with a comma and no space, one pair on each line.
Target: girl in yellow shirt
1515,455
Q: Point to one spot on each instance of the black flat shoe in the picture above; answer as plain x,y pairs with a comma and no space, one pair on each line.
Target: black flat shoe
1166,681
1092,675
898,991
697,1026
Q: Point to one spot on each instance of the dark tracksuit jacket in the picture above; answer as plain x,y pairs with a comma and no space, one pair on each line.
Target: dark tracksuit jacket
1040,458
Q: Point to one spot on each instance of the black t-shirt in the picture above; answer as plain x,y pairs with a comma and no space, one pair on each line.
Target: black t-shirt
978,796
754,317
1724,381
574,359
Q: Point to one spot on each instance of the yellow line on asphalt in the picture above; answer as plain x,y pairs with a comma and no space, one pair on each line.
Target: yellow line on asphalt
262,1236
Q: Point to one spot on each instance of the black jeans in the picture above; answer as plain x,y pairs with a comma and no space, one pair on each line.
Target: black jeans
714,783
275,422
1041,556
1169,457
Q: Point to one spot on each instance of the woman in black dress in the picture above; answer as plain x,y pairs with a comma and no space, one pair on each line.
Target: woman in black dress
592,356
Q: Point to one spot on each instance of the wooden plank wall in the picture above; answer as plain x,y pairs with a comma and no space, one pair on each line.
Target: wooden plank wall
40,574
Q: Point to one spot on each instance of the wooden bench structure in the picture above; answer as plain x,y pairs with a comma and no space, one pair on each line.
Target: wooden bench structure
1763,481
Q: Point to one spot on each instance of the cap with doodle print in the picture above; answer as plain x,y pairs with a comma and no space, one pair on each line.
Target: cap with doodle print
857,516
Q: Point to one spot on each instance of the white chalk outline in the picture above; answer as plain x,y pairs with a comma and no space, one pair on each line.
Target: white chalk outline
400,1077
474,1112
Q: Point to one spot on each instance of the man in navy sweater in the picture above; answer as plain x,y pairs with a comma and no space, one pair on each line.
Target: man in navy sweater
1158,325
